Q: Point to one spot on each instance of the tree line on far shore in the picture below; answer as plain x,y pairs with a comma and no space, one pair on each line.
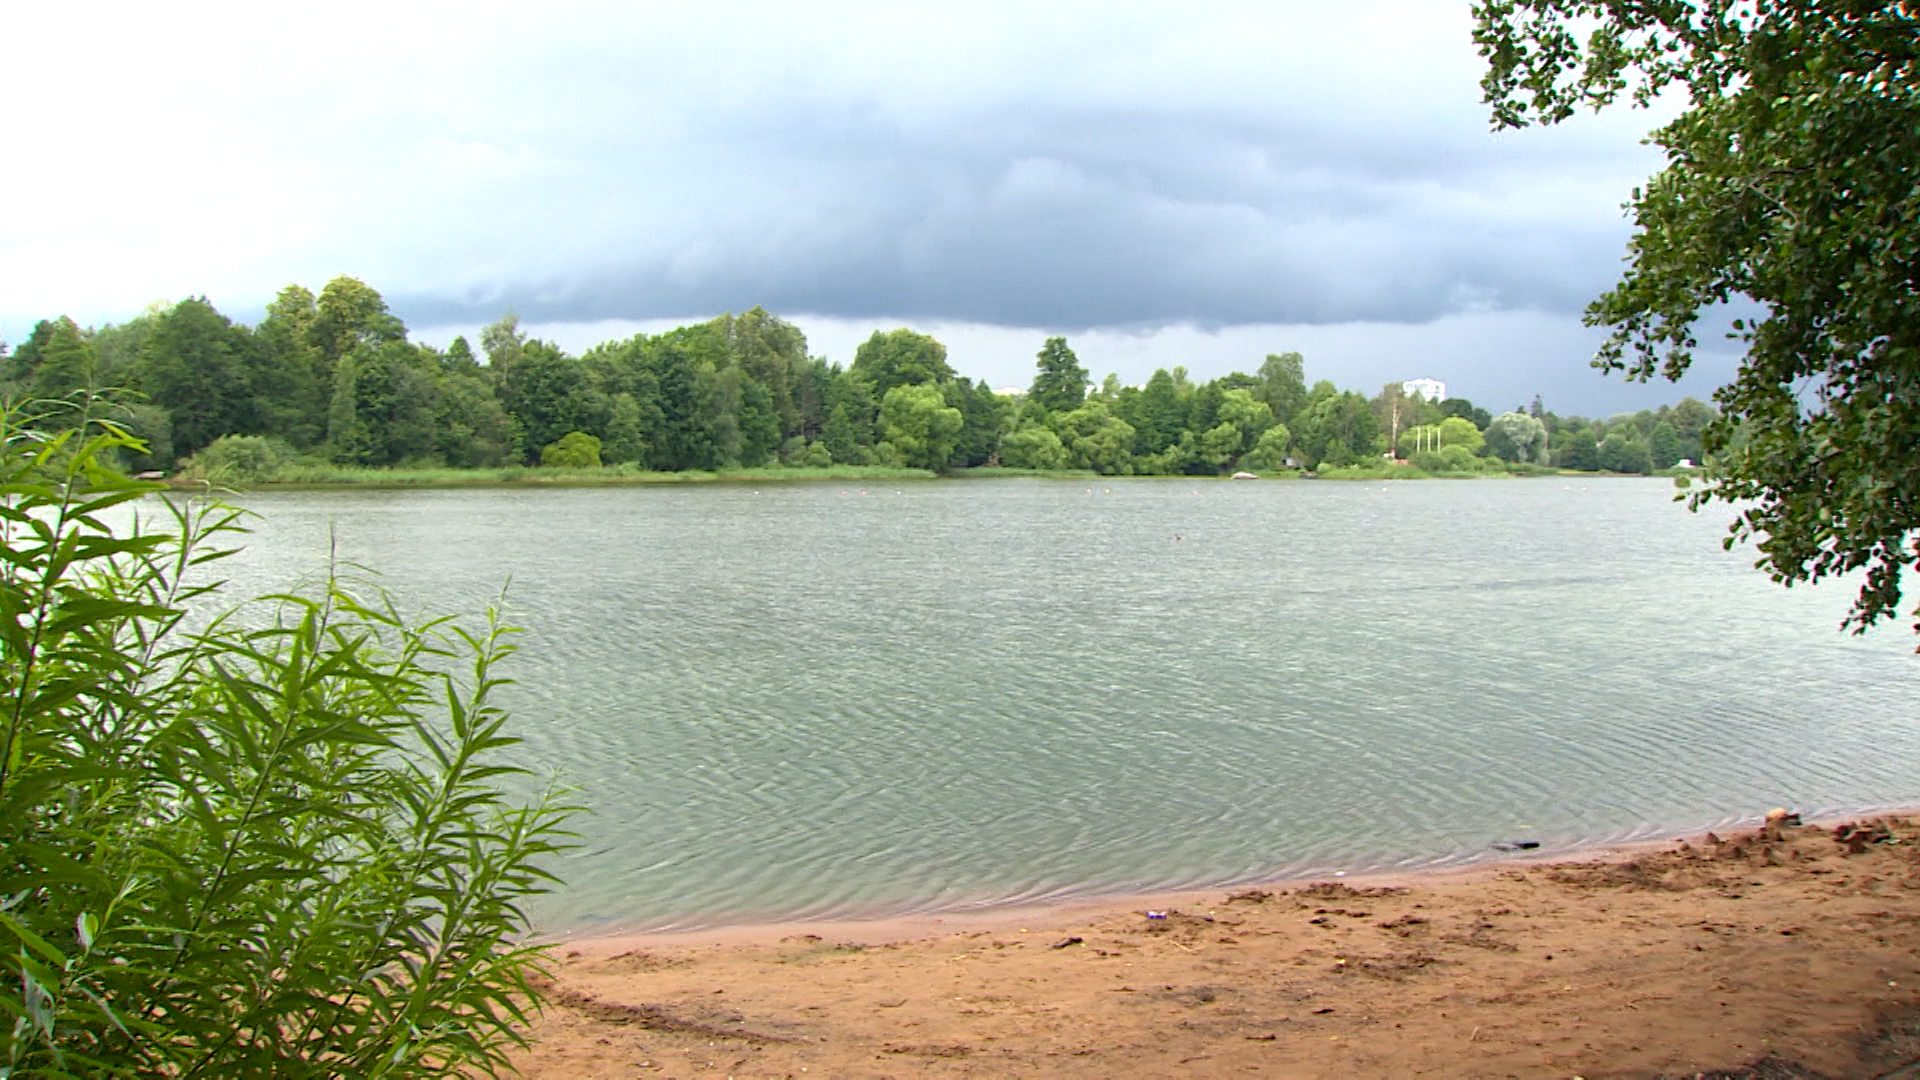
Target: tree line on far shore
334,380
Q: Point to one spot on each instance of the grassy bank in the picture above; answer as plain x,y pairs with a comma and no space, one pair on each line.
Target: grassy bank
324,476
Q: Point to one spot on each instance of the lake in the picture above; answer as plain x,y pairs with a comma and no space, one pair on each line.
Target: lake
812,700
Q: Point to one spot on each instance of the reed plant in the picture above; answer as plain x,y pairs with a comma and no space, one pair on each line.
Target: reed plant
264,845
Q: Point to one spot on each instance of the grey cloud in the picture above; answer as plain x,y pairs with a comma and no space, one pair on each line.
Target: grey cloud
1081,217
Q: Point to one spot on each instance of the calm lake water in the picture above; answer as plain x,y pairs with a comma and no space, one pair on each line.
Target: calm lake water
808,701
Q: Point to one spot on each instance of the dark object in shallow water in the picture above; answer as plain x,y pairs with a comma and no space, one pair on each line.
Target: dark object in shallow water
1515,845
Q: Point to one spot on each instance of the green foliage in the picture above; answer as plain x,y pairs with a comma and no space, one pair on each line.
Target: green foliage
626,432
1664,443
1622,452
814,456
1578,451
899,358
985,415
737,392
1094,438
64,362
1061,384
271,847
920,427
1515,436
348,315
1468,411
1789,186
240,459
1460,459
1269,453
574,450
1283,384
1335,427
1033,447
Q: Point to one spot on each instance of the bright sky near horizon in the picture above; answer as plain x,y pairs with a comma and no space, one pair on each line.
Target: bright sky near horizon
1195,184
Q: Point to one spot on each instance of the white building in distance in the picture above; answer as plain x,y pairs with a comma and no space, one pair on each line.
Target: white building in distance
1431,389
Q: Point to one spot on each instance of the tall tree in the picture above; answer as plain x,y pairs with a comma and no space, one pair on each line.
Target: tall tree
1159,414
919,425
21,362
291,382
1789,186
900,358
195,367
1283,384
774,352
1061,383
64,362
348,314
1515,436
1336,427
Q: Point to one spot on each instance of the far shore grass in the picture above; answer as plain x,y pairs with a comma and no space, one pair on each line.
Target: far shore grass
307,477
316,476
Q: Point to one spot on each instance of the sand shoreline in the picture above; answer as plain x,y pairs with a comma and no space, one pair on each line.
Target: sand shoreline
884,926
1740,957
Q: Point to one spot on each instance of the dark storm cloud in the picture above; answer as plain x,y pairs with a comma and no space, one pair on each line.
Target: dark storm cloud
1129,166
1092,216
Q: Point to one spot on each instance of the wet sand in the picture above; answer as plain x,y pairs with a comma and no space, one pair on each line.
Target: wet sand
1735,956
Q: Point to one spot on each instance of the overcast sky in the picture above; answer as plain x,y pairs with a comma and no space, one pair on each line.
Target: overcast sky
1196,184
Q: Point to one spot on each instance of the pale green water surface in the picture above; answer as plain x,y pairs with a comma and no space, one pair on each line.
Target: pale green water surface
808,701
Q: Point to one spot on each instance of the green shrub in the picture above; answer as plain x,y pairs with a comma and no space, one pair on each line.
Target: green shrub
1033,448
1432,461
574,450
815,456
240,459
274,846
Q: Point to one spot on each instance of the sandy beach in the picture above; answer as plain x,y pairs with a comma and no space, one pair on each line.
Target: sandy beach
1774,956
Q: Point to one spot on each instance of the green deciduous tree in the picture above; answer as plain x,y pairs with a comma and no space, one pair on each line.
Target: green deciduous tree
986,414
64,361
195,367
919,425
1460,459
1033,447
1283,384
348,314
291,379
626,431
1515,436
1159,414
899,358
1335,427
1578,451
1094,438
759,422
1247,415
1061,383
1664,443
1789,188
1269,453
1624,452
774,352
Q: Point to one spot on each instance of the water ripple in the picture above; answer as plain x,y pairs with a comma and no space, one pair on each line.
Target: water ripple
798,703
